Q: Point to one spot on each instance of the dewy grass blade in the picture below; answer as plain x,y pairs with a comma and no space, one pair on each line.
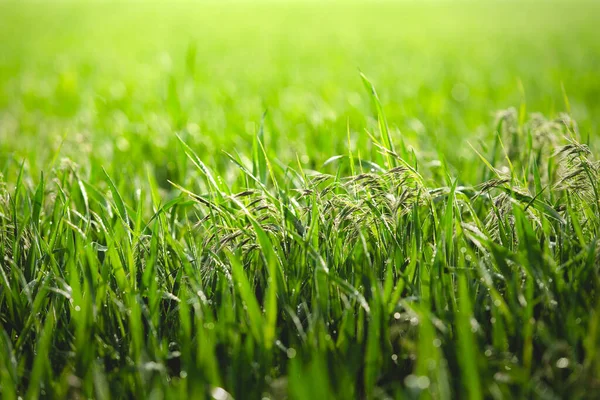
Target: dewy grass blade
465,329
38,202
117,199
255,319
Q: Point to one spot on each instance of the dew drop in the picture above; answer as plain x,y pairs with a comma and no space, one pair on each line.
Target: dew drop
562,362
291,353
423,382
219,393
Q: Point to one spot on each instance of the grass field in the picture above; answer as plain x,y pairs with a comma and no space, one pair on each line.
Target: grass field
304,200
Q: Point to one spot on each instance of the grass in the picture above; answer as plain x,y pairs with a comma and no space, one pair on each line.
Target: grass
213,201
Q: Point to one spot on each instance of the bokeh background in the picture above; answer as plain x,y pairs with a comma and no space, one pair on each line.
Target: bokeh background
114,81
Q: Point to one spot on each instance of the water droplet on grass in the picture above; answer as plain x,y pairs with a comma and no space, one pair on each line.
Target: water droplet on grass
219,393
562,362
420,382
423,382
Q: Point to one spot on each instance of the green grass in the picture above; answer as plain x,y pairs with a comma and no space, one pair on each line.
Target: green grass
300,200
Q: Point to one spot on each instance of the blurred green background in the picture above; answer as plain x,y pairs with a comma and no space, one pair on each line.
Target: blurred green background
114,82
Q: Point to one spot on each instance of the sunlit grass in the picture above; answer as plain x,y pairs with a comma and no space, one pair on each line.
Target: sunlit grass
300,200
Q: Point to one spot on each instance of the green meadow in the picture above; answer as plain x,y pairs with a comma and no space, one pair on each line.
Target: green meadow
300,200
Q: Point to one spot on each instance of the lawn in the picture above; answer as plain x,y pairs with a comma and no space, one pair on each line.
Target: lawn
303,200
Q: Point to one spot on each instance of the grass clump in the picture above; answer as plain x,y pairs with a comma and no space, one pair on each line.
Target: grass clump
203,201
387,278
